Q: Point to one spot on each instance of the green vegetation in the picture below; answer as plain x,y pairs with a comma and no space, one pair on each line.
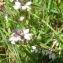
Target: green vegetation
31,31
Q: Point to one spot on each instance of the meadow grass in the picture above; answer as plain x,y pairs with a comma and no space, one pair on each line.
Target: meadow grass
31,31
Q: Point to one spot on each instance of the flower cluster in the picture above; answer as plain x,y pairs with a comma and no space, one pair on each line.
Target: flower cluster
18,5
20,36
50,53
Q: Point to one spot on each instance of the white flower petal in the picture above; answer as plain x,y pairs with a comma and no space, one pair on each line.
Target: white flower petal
17,5
33,47
26,36
26,31
13,42
14,39
21,18
11,0
28,3
24,7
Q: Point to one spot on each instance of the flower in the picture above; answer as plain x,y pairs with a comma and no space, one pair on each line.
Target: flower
26,6
52,56
14,39
28,3
27,35
16,31
50,53
19,0
21,18
34,49
17,5
18,35
11,0
26,31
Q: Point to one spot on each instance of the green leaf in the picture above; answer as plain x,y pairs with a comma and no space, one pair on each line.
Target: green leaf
61,5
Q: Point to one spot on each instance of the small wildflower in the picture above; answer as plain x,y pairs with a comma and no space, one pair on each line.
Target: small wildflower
17,5
11,0
50,53
27,35
34,49
26,31
28,3
52,56
21,18
19,0
14,39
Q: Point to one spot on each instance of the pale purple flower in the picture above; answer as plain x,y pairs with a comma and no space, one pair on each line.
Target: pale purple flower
16,31
19,0
17,5
14,39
